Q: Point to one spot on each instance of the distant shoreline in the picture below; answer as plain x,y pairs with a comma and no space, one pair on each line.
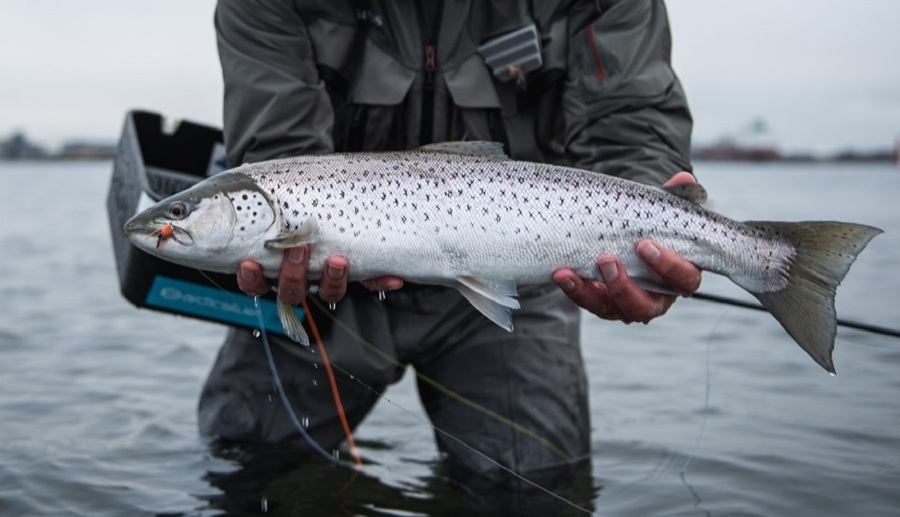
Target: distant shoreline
873,159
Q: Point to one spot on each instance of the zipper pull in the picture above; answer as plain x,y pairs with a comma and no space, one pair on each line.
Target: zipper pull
430,58
430,66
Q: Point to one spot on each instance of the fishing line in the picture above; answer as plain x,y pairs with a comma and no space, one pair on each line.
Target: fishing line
875,329
283,395
339,406
381,395
424,378
682,472
309,439
279,387
708,387
440,387
467,446
420,376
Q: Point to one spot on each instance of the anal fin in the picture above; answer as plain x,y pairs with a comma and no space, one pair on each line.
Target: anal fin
494,299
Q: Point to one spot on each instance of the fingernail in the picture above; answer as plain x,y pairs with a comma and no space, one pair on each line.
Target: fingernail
567,285
296,255
609,269
392,285
247,273
335,273
649,252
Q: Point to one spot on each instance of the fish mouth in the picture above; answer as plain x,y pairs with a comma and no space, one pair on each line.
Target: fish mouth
136,226
138,229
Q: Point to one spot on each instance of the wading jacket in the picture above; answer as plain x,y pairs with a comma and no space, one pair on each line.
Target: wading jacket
354,75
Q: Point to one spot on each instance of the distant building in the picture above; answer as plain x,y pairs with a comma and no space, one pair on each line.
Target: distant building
87,151
18,147
754,143
850,155
730,150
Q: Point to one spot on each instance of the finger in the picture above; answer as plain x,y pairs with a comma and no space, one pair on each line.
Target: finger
293,275
333,284
635,303
383,283
681,178
250,279
587,294
679,273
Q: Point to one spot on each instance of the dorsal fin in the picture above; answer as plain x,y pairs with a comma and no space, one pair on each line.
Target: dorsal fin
693,192
473,148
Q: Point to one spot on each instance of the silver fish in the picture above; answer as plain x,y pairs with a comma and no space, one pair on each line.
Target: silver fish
463,215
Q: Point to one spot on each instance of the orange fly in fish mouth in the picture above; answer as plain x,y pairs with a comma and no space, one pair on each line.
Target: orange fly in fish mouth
165,233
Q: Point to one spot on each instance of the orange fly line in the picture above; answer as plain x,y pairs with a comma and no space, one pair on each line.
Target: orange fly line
333,382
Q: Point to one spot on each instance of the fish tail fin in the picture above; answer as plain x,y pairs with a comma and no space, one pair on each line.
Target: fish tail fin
805,308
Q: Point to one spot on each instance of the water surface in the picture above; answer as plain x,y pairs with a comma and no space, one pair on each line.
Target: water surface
98,399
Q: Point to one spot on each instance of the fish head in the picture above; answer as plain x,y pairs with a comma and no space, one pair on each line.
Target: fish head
212,226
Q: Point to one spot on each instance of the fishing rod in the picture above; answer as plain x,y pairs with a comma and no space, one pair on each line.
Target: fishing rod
875,329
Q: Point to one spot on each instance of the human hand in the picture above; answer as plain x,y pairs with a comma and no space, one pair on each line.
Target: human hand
293,278
618,297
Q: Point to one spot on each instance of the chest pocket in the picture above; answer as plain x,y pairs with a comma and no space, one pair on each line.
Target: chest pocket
378,95
346,59
378,92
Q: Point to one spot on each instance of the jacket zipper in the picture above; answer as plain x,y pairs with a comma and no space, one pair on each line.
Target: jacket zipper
427,130
428,29
357,132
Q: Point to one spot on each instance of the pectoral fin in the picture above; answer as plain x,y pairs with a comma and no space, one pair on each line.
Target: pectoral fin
307,233
492,298
291,323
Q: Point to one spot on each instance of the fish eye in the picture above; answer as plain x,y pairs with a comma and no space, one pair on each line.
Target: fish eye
177,211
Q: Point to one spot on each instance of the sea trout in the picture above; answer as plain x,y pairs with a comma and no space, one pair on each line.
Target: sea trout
463,215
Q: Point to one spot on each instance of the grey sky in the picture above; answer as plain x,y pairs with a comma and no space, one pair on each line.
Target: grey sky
824,74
